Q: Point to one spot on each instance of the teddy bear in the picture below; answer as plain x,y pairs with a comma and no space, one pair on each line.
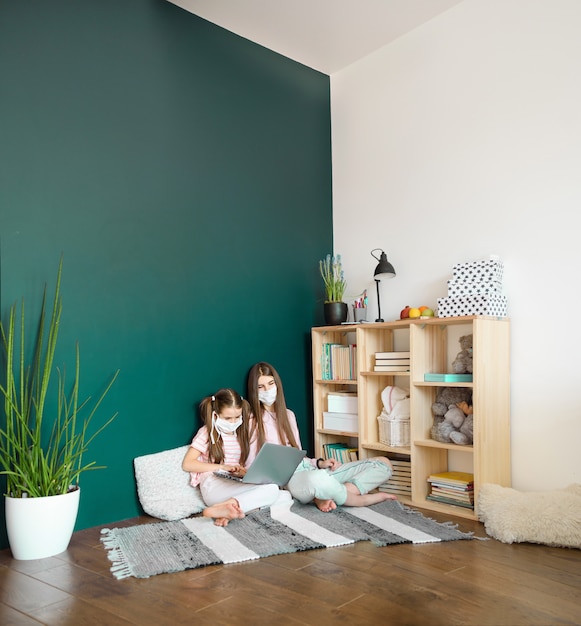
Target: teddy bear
462,422
462,364
452,411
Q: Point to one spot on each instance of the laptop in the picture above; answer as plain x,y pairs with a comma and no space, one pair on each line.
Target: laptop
273,464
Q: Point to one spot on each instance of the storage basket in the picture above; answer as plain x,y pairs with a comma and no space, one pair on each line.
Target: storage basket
394,432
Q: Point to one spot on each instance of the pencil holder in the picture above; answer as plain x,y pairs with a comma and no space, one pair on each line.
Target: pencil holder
359,315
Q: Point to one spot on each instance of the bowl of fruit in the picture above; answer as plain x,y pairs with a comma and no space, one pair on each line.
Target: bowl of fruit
420,312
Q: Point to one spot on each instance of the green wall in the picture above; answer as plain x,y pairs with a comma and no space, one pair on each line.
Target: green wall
185,175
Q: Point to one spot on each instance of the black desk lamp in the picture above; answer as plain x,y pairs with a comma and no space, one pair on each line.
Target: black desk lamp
383,270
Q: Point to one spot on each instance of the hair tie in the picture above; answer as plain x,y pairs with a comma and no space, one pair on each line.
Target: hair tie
213,398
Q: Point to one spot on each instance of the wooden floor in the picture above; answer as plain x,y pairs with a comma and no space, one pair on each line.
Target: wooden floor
457,582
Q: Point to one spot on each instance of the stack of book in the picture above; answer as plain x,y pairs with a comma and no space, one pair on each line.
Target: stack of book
392,362
338,361
341,452
400,482
452,488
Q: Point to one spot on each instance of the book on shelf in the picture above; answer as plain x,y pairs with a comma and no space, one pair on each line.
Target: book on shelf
443,500
462,496
391,368
452,478
392,362
393,355
342,452
338,361
453,490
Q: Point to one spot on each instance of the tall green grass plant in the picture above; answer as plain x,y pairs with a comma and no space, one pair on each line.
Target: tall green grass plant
42,447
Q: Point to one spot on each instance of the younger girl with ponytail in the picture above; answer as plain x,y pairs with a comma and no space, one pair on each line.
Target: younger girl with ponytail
223,443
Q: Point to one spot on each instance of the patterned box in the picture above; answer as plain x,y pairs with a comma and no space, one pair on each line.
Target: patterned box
487,304
463,288
486,271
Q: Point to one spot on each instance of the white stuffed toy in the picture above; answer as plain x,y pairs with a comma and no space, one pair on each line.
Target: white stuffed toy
396,403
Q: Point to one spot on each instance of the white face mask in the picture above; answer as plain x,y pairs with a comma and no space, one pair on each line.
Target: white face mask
268,397
224,427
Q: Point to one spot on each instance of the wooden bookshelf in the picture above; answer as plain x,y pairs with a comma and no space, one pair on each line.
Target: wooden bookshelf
433,344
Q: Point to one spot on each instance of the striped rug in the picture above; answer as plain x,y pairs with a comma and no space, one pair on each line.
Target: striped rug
149,549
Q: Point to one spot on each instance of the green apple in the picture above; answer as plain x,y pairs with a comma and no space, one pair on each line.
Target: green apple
428,312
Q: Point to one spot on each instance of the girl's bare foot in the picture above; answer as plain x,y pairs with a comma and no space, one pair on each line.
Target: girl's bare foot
224,512
388,496
368,499
325,505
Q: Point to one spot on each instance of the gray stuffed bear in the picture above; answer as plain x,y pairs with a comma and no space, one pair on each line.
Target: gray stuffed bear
451,409
462,364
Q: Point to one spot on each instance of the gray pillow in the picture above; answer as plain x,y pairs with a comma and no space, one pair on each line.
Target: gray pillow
164,488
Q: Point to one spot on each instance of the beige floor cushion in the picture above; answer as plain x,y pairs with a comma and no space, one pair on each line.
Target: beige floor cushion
163,488
548,517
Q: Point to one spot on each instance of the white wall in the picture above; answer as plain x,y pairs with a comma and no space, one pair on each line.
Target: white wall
462,139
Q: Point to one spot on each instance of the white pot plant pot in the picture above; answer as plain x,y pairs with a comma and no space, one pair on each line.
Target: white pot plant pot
45,434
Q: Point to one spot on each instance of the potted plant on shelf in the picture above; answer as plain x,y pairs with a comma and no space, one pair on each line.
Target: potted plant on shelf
46,433
336,311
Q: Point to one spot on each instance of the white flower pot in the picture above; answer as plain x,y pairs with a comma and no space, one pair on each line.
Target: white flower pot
41,527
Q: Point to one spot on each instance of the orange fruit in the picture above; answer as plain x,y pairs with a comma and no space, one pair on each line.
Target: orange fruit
423,308
413,313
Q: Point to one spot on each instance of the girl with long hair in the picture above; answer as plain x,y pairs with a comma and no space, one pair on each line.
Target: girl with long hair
223,443
326,482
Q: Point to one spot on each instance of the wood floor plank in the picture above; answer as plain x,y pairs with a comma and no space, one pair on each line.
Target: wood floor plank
25,593
12,617
468,583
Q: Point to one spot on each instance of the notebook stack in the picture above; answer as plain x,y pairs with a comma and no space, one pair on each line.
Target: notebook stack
452,488
392,362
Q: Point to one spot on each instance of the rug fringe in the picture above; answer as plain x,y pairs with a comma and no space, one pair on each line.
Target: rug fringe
120,568
448,524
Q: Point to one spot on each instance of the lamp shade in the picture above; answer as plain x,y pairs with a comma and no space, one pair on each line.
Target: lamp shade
384,268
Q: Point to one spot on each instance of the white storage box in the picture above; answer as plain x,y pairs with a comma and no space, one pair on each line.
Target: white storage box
346,422
342,402
462,288
394,432
495,306
489,270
